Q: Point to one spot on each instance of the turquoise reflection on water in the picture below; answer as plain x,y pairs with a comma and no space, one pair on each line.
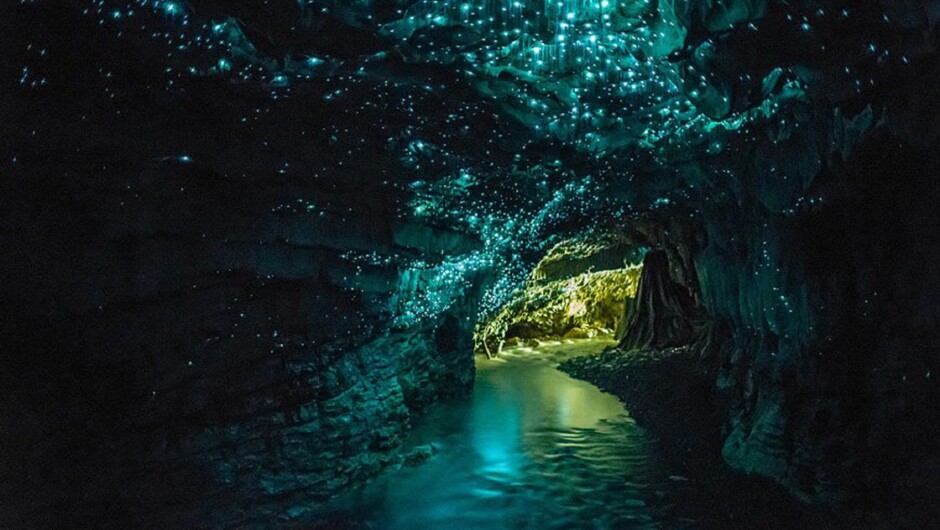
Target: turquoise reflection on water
530,448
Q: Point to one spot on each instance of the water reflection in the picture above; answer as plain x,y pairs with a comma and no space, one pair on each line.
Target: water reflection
530,448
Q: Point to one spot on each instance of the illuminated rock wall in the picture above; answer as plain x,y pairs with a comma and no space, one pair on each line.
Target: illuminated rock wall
577,290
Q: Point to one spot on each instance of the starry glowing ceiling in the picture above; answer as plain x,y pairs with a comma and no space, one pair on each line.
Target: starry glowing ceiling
510,120
597,75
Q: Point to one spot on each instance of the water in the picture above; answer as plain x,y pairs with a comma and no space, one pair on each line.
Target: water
530,448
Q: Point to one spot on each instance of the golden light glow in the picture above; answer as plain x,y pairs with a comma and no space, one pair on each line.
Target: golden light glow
576,308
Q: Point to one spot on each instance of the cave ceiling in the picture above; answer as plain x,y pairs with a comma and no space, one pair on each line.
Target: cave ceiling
512,120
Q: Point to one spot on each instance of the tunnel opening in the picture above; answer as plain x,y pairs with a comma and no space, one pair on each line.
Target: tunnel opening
633,283
582,288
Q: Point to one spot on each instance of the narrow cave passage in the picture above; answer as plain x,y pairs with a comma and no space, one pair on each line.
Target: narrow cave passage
529,434
534,446
530,447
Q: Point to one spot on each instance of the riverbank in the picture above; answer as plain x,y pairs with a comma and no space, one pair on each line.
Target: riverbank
668,393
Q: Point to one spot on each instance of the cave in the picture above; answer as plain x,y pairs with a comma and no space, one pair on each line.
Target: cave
436,264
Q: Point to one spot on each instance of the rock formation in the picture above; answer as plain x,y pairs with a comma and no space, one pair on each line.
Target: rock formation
661,315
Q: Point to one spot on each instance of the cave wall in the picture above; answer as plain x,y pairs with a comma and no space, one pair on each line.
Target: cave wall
826,319
812,300
816,264
195,332
199,344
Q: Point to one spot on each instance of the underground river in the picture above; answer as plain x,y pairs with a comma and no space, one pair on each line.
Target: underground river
529,448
